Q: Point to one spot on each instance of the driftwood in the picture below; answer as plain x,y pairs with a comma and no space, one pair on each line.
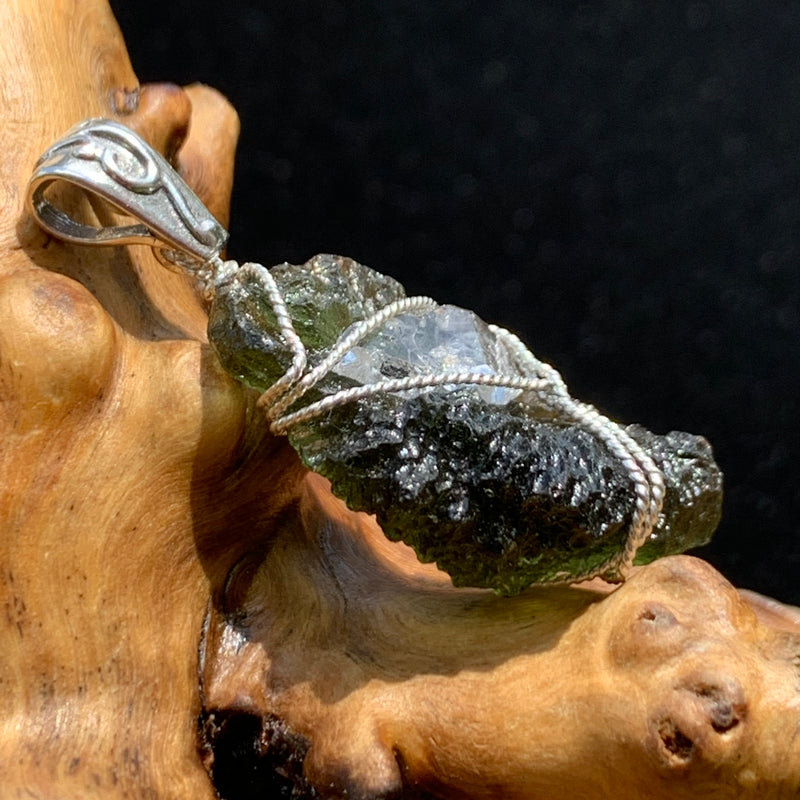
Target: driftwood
184,606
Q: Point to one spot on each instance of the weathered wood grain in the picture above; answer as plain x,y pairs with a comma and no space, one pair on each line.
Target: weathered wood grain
180,598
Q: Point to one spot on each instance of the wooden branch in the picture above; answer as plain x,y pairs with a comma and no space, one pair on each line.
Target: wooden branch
165,561
674,686
112,415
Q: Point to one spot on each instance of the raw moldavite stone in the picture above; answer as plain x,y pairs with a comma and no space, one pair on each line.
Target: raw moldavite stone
324,296
487,482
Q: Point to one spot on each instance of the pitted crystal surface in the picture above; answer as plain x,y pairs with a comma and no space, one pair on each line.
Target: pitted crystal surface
324,297
498,490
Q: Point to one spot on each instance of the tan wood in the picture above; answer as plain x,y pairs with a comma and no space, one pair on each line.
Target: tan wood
163,558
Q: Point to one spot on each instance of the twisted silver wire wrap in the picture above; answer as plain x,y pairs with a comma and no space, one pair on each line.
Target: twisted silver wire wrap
647,478
346,342
109,160
295,371
418,382
537,377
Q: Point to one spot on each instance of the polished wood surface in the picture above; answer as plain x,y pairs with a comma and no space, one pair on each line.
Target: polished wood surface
164,559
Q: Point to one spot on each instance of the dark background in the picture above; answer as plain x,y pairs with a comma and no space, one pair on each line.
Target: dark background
616,181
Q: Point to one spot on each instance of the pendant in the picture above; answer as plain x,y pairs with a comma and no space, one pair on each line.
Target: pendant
461,442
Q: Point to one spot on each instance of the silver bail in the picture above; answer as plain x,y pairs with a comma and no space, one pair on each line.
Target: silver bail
109,160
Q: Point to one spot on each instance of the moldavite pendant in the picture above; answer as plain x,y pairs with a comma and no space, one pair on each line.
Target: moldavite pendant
449,430
502,487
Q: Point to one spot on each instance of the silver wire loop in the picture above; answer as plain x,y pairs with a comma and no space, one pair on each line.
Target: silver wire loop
534,376
107,159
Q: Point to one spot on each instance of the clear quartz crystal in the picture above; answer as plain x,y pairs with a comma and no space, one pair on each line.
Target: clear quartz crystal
446,339
487,482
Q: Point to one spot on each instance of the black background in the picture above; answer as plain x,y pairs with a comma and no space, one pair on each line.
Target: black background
616,181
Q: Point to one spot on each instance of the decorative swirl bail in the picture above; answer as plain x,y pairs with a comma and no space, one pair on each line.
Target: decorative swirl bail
334,347
107,159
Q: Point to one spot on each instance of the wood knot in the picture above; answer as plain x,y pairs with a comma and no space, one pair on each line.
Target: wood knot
701,722
57,346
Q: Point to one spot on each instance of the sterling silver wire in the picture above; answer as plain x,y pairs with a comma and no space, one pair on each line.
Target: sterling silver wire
537,377
107,159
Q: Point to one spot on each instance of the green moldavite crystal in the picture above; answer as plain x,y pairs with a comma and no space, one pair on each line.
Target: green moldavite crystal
498,491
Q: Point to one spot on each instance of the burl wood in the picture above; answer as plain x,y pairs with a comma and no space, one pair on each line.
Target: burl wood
183,605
